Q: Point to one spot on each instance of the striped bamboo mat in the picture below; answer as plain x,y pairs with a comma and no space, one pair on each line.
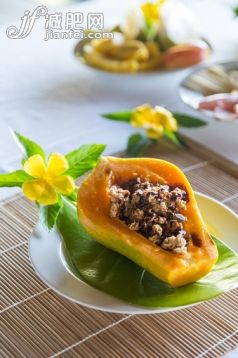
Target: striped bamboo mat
36,322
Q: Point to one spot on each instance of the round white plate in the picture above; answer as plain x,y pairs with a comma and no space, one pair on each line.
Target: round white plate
49,263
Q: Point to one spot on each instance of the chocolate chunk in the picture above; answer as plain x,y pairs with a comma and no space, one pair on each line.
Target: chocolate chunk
196,240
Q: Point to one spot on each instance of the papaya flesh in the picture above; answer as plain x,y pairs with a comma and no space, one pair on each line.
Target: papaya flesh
94,203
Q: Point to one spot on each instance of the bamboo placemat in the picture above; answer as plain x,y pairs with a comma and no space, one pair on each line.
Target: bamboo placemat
36,322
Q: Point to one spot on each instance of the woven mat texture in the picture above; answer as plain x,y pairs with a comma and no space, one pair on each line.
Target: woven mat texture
36,322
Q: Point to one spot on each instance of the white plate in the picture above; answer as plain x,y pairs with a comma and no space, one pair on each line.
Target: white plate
50,265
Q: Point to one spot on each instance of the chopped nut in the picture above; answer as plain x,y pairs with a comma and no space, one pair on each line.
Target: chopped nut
153,210
175,225
157,229
160,207
175,243
114,210
154,239
118,194
118,199
179,193
138,214
135,198
161,220
181,204
134,226
163,207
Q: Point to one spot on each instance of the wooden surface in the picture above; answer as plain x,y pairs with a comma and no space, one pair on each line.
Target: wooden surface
36,322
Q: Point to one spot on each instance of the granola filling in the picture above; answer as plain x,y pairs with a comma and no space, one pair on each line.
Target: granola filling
153,210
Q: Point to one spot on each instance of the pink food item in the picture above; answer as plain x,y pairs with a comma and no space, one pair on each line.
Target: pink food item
183,56
224,105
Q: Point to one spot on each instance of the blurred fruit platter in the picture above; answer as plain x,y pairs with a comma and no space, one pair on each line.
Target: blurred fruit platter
159,35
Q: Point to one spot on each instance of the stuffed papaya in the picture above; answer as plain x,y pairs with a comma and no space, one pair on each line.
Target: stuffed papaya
145,209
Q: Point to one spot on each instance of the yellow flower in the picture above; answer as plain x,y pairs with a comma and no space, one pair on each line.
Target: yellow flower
151,11
153,120
49,180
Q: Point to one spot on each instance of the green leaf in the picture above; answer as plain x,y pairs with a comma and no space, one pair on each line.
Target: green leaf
73,197
16,178
151,30
116,275
175,138
182,142
186,121
123,116
28,146
83,159
235,10
49,214
137,144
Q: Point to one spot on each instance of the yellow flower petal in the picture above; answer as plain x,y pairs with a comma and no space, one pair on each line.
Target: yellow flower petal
141,115
40,191
170,124
162,111
166,119
33,189
151,10
48,196
155,132
57,164
153,120
35,166
64,184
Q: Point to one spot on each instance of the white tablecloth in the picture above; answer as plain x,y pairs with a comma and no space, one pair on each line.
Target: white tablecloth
48,95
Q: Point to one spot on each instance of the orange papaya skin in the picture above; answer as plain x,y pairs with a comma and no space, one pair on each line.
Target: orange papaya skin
94,214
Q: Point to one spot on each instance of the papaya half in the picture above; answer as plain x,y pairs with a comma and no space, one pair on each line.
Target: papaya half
94,205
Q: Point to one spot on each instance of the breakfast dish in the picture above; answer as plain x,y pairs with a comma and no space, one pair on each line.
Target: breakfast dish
145,209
